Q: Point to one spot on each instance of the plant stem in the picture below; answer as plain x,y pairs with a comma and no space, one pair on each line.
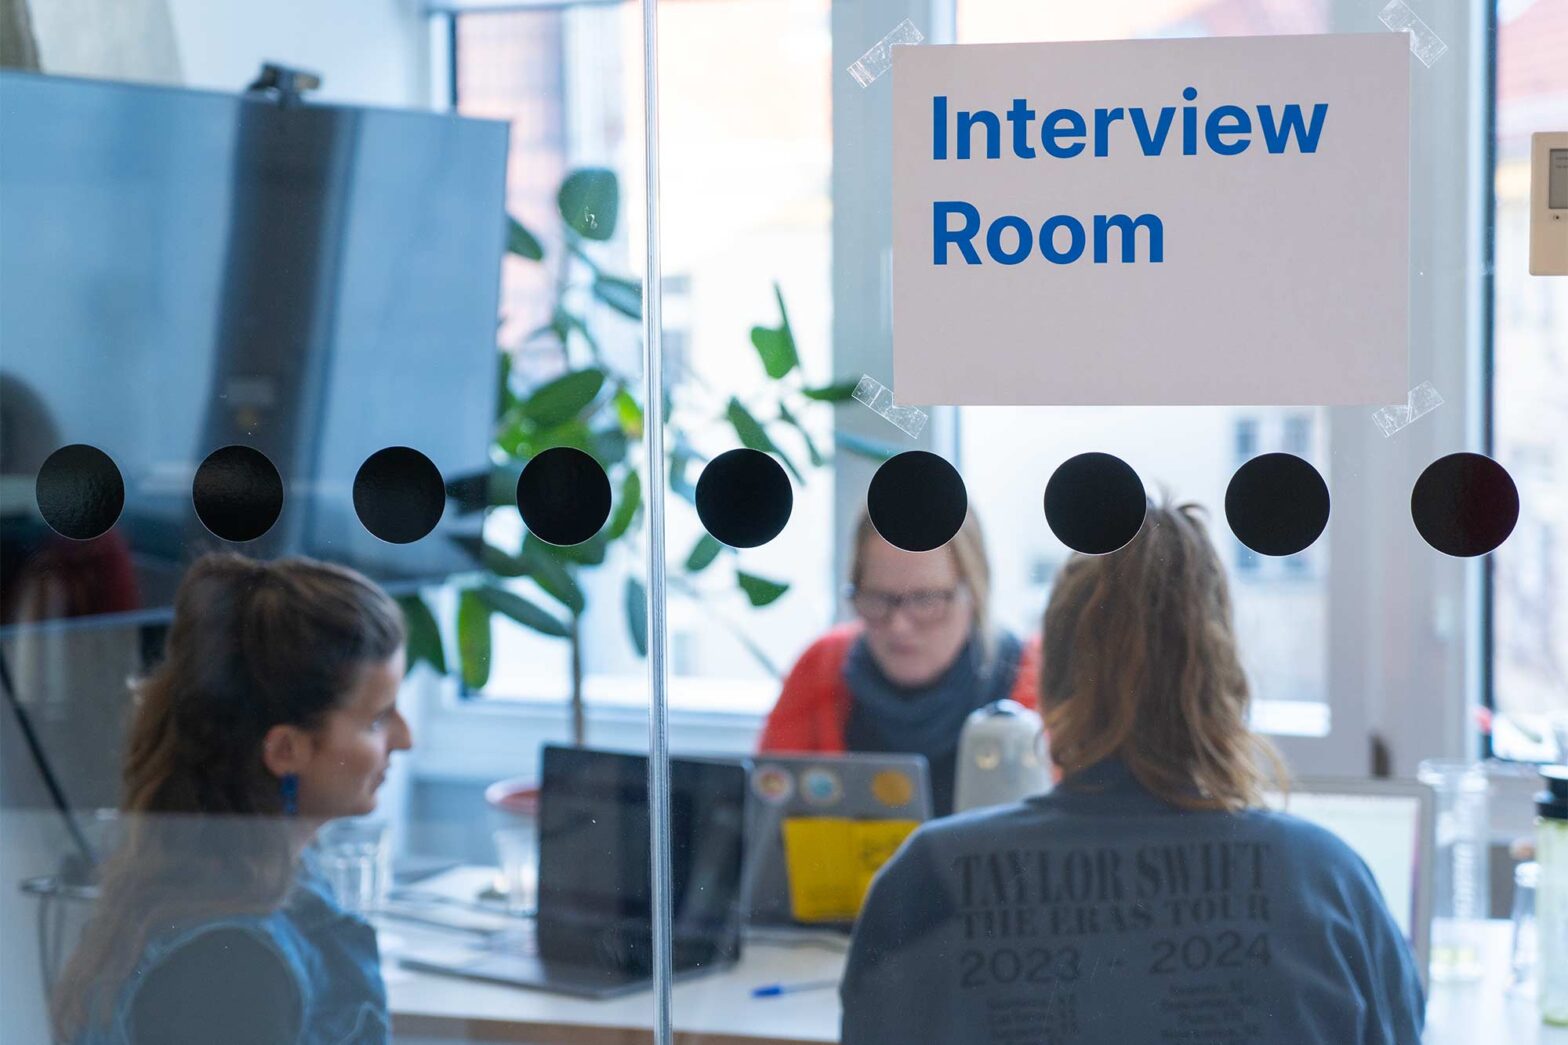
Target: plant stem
579,723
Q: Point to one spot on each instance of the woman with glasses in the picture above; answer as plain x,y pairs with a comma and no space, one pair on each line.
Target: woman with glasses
1148,897
922,655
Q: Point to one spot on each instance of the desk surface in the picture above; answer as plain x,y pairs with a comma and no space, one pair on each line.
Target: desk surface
718,1009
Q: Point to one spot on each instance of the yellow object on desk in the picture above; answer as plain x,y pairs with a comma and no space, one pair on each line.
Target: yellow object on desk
831,861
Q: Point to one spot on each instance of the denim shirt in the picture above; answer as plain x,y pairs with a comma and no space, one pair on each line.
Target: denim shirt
330,954
1098,913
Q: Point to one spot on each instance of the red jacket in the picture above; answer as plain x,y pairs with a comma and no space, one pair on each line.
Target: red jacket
814,705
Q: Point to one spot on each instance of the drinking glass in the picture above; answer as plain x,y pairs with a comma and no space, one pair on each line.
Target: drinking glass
517,852
1459,874
356,858
1522,951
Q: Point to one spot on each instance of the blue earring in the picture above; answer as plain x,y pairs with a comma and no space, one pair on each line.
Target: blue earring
289,785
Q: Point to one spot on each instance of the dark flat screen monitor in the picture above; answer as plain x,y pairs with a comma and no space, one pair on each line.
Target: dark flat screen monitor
595,879
183,270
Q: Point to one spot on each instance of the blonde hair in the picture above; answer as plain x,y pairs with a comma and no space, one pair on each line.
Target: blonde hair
1140,662
969,558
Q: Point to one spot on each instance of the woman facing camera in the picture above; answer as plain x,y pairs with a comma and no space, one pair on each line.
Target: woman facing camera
1147,898
273,712
904,676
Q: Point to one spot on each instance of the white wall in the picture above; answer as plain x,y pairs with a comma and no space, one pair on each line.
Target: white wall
369,52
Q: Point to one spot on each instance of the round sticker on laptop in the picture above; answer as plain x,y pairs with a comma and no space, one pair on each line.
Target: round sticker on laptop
772,785
892,788
820,786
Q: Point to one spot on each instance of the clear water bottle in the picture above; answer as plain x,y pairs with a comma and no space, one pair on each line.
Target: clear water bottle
1460,894
1551,895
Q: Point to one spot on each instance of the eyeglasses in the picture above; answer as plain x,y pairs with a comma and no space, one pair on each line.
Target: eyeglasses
923,607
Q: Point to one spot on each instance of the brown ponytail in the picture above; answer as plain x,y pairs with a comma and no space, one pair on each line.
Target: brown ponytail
1140,662
252,645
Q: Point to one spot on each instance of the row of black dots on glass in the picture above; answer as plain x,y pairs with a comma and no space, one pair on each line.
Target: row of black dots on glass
1463,504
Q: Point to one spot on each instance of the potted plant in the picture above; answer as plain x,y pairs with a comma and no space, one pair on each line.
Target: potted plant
594,406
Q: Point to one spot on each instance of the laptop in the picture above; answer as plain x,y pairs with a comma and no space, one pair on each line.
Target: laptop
1390,824
854,787
593,935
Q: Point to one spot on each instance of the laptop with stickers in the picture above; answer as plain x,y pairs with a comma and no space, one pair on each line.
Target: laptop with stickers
819,826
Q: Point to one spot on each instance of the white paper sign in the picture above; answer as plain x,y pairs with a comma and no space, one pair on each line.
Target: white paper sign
1215,221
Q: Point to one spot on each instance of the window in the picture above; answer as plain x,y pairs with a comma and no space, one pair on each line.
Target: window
745,196
1187,452
1529,578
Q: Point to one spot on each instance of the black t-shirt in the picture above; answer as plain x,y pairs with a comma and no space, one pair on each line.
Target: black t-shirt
226,985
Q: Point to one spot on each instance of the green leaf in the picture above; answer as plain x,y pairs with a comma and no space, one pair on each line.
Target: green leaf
703,553
834,393
502,564
776,345
759,590
512,605
505,400
589,553
549,572
626,510
590,200
623,295
565,323
629,413
514,435
680,485
521,242
473,639
636,601
817,460
610,446
753,435
573,433
424,634
558,401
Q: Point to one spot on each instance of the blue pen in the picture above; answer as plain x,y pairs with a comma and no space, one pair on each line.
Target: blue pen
773,990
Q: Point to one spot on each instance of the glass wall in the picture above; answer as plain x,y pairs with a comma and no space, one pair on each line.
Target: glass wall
675,708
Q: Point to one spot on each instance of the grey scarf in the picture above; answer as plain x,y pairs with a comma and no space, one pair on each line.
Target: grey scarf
884,716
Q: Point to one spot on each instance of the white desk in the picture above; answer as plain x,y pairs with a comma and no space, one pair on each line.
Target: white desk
719,1010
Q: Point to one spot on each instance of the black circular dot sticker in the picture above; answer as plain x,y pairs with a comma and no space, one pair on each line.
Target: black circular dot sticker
398,494
744,498
1277,504
917,501
563,495
1464,504
1094,503
80,492
238,493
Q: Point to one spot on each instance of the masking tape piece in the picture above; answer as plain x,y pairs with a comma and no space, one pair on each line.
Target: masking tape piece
910,419
1424,43
879,59
1420,401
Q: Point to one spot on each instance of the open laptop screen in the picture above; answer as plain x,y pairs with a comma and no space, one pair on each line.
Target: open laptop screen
595,880
1383,829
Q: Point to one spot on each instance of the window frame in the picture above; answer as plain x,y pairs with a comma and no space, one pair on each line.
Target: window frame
1400,682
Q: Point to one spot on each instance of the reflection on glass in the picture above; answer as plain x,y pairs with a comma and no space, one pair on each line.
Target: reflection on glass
271,716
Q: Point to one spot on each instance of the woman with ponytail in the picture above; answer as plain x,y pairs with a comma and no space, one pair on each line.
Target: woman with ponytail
1149,897
272,712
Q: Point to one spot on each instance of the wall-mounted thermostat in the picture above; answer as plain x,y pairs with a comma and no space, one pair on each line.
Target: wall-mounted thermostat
1549,204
